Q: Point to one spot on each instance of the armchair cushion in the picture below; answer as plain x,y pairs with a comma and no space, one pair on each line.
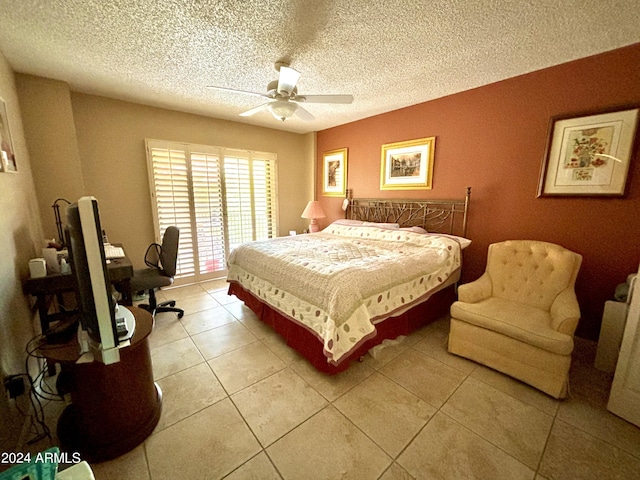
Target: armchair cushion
527,324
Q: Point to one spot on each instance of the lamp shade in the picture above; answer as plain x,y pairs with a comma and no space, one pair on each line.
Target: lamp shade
282,109
313,210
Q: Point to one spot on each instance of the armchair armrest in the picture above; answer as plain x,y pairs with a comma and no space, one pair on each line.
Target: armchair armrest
474,292
565,312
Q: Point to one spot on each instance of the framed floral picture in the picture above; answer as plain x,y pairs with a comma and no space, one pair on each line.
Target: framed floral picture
589,154
8,159
334,173
407,165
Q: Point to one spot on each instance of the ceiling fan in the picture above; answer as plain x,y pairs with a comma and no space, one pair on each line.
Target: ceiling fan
284,100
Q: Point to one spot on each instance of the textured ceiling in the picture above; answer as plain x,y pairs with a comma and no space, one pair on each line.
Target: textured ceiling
387,53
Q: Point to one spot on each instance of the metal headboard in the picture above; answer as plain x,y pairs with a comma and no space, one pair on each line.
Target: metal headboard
441,216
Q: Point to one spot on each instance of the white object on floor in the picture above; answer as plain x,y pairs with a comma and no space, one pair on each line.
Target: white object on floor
624,400
614,320
375,351
79,471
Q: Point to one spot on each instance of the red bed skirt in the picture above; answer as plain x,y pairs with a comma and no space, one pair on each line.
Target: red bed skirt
310,346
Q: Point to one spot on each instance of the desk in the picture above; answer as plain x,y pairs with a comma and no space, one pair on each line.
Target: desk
114,407
120,272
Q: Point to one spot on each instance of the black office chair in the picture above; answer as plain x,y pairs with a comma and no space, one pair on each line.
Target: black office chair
161,260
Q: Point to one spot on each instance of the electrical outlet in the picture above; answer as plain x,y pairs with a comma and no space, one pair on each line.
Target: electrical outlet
14,384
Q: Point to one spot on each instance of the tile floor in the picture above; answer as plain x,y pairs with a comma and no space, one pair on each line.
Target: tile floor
239,404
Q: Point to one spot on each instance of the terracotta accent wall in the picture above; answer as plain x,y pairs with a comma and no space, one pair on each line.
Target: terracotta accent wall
493,139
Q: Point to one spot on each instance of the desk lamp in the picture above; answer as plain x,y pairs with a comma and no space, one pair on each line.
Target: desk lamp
313,210
56,212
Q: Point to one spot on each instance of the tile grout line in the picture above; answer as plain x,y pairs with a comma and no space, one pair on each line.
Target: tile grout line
554,416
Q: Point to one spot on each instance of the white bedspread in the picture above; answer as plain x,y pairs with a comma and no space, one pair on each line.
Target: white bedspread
342,280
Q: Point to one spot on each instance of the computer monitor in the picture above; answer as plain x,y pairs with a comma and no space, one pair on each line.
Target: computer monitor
97,307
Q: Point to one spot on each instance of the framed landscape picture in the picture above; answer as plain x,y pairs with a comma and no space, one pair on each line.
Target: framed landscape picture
334,173
407,165
589,154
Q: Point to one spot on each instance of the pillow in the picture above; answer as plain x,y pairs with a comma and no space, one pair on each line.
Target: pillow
359,223
347,221
464,242
381,225
415,229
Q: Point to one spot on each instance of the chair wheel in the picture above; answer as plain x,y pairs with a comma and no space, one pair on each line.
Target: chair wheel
172,303
180,314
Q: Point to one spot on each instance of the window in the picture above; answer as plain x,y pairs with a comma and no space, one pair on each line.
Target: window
217,197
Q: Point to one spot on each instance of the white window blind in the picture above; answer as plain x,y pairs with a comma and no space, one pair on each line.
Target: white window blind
208,211
251,196
239,205
219,198
170,191
264,194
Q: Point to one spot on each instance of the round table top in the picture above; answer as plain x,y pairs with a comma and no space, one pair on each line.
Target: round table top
69,352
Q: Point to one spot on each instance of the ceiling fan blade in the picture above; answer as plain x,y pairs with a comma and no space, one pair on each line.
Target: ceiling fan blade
243,92
323,98
254,110
287,80
304,114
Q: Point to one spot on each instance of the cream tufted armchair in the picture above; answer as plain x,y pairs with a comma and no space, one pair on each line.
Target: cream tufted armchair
520,315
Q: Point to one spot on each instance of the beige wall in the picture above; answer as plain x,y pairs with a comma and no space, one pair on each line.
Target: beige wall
109,138
51,138
20,240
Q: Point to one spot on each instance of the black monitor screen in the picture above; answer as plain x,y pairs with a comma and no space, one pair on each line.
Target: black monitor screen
86,252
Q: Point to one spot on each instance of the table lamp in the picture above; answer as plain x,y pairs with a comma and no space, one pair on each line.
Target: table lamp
313,210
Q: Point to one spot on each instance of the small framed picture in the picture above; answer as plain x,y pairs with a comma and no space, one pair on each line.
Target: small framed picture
334,173
407,165
589,154
8,158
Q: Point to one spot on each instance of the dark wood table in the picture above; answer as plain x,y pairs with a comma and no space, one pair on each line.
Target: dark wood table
45,288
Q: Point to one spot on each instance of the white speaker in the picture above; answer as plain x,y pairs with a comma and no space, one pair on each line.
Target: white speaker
38,267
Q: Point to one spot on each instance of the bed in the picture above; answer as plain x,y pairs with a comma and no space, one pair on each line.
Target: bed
387,269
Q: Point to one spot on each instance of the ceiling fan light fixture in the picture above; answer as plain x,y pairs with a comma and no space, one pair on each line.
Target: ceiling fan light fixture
282,109
282,96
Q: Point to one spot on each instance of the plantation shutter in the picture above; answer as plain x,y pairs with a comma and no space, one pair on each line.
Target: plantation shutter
217,197
170,190
208,210
264,191
238,199
249,179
